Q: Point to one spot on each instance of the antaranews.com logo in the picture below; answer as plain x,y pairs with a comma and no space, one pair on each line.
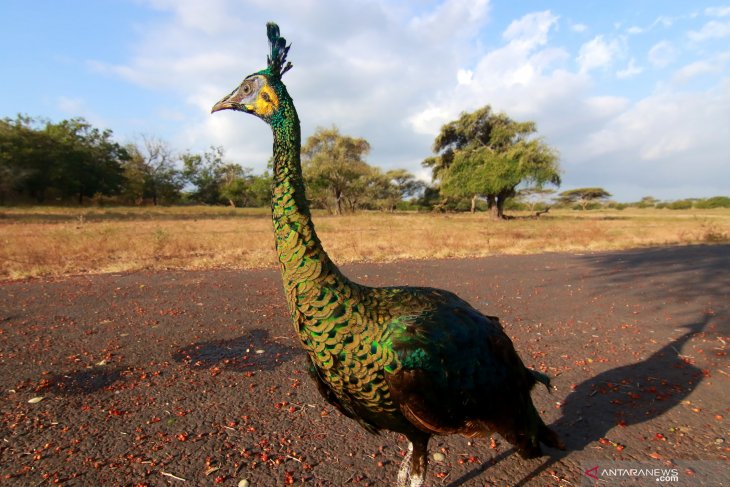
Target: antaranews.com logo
679,473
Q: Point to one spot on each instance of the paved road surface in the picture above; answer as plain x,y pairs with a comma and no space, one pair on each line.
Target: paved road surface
193,378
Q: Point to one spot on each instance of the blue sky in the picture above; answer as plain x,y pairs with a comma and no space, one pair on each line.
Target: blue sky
634,94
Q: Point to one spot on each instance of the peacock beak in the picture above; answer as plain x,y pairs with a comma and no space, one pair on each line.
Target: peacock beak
231,102
224,104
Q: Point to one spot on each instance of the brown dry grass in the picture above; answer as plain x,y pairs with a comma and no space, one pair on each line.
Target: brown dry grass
59,241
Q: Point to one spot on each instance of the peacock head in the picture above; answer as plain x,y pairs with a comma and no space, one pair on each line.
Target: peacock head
260,93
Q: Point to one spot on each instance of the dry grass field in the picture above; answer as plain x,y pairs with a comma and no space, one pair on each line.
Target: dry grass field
47,241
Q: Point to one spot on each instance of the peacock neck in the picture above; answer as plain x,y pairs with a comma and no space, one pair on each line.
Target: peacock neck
302,258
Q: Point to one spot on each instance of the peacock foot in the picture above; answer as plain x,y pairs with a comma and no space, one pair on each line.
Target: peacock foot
416,480
405,468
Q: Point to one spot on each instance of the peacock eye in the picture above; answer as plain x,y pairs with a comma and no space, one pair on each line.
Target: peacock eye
246,89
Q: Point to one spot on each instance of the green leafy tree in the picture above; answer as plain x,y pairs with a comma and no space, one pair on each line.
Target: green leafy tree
488,155
583,196
713,202
233,184
258,191
20,150
535,197
219,182
334,168
405,184
135,176
206,173
66,159
86,159
647,202
386,190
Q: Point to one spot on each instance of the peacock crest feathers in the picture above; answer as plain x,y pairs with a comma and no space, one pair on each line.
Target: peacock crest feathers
277,62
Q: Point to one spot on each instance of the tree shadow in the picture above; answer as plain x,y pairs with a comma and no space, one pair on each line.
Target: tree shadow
84,381
253,351
686,272
627,395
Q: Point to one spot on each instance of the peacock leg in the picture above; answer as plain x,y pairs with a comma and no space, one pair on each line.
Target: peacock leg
419,462
405,467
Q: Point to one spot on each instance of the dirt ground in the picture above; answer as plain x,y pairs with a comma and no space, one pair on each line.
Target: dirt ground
194,378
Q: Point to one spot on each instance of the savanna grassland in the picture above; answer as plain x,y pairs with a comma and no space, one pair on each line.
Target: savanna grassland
49,241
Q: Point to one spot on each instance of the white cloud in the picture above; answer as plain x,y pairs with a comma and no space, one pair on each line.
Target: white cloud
629,71
665,141
464,76
717,11
505,77
713,29
394,73
531,30
343,55
662,21
597,53
648,146
662,54
452,16
692,70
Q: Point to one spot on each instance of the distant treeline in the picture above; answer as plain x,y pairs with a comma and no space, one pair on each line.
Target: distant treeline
72,162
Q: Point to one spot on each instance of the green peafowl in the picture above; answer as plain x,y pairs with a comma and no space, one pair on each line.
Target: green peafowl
415,360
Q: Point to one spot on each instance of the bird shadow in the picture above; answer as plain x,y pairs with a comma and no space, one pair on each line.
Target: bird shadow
84,381
254,351
626,395
472,474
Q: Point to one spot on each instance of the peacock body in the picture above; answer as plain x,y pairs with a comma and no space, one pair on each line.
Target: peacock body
415,360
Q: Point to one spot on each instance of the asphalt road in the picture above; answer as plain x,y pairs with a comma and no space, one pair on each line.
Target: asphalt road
194,378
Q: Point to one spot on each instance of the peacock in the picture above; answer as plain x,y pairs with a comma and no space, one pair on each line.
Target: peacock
415,360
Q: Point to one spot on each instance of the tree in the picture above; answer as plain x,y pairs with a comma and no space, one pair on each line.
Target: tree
217,181
487,155
535,196
163,181
234,180
86,160
583,196
647,202
151,173
334,168
395,186
135,172
67,159
258,190
18,158
206,173
405,183
713,202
